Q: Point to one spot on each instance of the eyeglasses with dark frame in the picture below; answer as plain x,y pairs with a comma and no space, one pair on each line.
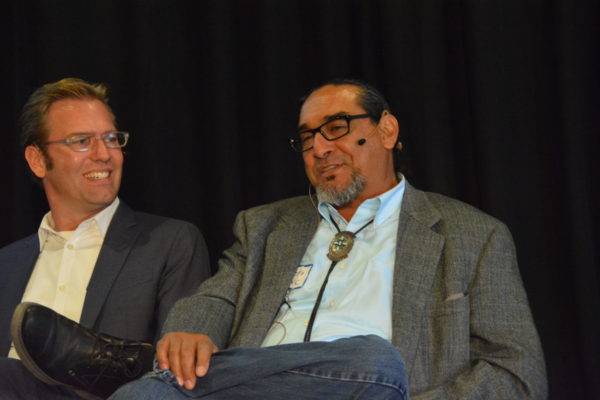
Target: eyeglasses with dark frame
84,142
331,130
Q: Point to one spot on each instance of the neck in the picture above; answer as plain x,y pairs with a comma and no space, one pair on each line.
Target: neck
67,223
349,209
70,220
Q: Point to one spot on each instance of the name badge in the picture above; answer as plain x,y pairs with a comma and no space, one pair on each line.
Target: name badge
301,276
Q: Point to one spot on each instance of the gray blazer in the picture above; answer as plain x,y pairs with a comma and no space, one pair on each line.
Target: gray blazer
145,264
461,319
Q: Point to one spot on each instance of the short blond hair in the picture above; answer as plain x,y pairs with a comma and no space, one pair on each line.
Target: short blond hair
35,110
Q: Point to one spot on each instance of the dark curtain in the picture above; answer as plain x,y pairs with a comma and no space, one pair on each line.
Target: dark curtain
497,100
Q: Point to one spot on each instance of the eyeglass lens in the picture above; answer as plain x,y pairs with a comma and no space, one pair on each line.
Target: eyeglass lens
112,140
331,130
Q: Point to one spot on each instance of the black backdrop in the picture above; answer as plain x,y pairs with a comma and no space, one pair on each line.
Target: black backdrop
497,100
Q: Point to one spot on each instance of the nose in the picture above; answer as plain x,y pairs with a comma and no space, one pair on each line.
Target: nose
321,146
99,151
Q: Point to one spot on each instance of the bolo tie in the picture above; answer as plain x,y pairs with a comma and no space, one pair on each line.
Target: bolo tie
339,248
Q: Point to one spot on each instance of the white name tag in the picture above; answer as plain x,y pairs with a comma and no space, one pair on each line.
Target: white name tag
301,276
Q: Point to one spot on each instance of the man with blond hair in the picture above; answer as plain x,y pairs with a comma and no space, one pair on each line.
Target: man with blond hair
93,260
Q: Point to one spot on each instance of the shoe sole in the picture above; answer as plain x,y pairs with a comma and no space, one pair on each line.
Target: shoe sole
16,331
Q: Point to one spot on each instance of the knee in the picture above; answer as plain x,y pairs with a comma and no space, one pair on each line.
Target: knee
370,355
137,389
380,354
148,387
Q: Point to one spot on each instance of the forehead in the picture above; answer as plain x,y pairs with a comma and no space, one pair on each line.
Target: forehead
328,101
68,116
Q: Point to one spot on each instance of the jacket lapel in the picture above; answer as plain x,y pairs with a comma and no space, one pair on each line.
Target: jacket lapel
119,240
418,252
289,242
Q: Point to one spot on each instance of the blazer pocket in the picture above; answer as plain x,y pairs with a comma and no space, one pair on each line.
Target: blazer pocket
448,333
452,306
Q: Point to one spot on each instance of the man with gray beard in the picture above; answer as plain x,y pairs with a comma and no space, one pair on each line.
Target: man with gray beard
369,290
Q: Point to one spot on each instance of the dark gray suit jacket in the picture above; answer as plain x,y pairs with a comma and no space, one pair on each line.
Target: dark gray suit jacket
461,319
145,264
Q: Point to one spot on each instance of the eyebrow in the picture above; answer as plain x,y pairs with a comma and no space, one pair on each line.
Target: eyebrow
90,134
326,118
80,134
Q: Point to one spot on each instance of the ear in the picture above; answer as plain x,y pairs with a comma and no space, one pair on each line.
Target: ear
389,129
36,161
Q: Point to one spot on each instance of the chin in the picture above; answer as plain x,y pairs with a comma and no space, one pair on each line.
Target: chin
340,194
103,199
335,182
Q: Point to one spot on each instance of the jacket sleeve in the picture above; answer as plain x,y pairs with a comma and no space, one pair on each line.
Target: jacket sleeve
211,309
186,266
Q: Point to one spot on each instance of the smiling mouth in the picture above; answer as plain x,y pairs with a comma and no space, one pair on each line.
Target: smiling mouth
94,176
329,172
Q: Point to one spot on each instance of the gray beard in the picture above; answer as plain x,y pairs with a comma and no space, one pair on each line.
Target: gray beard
342,197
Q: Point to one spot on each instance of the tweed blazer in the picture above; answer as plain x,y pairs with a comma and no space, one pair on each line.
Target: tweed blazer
461,320
145,264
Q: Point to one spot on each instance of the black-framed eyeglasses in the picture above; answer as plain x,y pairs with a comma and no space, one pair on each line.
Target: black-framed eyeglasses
333,129
84,141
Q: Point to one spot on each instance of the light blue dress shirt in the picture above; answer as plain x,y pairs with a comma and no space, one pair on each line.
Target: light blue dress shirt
358,296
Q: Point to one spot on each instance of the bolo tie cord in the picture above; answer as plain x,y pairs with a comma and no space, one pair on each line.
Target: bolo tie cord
315,309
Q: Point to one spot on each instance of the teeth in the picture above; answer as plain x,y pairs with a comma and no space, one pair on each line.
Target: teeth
330,168
97,175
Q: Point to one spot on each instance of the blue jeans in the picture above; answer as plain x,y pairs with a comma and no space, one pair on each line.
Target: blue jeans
17,383
361,367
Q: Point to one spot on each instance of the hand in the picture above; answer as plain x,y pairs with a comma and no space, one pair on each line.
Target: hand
187,355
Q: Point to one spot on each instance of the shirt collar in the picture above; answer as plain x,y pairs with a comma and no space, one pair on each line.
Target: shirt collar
381,208
102,221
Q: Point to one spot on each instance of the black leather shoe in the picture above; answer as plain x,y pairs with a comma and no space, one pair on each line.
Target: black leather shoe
59,351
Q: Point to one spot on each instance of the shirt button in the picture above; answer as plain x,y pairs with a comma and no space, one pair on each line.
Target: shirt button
70,246
62,288
343,266
305,323
332,304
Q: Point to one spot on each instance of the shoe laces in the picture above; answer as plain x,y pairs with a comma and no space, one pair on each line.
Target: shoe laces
124,357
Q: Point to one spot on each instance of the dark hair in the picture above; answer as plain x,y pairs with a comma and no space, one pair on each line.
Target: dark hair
374,104
369,97
33,117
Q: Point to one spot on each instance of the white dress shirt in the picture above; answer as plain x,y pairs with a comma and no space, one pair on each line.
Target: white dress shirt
65,264
358,297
